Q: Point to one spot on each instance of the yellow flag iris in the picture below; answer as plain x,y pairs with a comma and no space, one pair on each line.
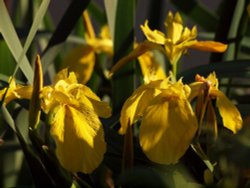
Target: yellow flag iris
15,91
73,115
179,38
81,59
168,122
230,115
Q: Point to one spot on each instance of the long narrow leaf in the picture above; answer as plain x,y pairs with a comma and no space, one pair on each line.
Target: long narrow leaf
110,7
67,22
223,29
123,44
8,117
9,34
34,28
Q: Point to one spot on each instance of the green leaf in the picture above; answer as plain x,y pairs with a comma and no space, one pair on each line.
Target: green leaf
9,34
35,25
123,44
97,13
8,118
110,7
224,25
67,23
7,64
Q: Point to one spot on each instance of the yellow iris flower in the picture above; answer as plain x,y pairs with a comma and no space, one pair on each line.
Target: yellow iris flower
81,59
230,115
168,122
179,38
15,91
73,115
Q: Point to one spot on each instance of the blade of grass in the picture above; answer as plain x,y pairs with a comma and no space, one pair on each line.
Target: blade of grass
67,23
8,118
123,81
7,64
33,30
110,7
97,13
9,34
223,29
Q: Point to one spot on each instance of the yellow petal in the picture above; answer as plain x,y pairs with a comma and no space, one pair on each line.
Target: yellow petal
102,109
154,36
196,88
230,115
61,75
16,92
105,32
79,136
150,68
81,60
167,129
174,32
135,105
88,25
210,46
101,45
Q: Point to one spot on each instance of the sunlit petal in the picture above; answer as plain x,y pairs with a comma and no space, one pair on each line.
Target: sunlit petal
153,35
150,68
79,138
101,45
16,92
135,105
167,129
230,115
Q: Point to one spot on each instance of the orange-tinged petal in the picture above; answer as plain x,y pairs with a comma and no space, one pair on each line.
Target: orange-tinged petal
230,115
81,60
79,136
167,129
210,46
153,35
